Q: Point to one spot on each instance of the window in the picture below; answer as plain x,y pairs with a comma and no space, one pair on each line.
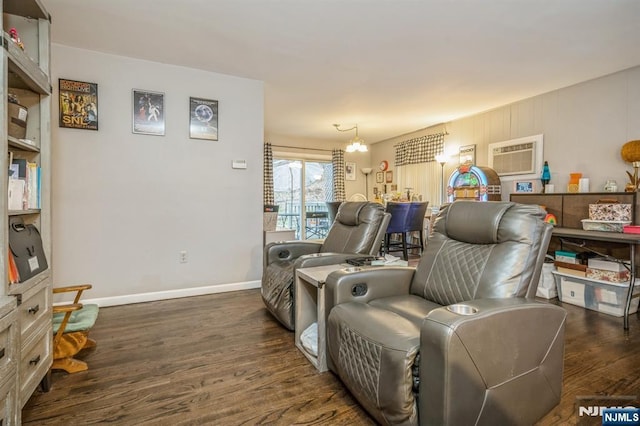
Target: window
302,207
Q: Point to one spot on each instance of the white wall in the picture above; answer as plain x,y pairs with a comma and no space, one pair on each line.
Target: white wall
125,205
584,127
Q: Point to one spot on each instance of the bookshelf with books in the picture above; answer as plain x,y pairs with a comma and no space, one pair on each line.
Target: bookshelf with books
26,134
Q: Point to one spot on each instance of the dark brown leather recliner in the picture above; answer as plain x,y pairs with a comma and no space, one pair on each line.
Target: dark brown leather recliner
357,230
459,340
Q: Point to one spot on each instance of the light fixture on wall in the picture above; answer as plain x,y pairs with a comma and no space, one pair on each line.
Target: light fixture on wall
366,171
442,159
355,144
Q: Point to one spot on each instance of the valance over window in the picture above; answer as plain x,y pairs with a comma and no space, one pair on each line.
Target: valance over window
419,150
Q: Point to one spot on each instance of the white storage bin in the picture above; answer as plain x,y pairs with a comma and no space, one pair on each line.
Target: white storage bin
601,296
604,225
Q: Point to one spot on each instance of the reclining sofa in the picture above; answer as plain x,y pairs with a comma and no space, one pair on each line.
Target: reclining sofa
459,340
357,230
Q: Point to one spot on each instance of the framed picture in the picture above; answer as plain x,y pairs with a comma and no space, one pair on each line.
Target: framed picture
375,190
78,104
394,187
349,171
524,186
467,154
203,119
388,176
379,177
148,112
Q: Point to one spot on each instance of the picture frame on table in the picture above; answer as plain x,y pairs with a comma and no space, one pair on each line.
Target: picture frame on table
349,171
379,177
147,111
203,119
388,176
524,186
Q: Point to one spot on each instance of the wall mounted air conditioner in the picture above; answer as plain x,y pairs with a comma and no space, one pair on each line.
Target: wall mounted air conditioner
517,157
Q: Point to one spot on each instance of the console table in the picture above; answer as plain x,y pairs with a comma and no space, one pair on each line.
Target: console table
611,237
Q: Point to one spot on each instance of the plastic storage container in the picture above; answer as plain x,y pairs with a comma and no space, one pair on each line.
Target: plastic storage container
601,296
604,225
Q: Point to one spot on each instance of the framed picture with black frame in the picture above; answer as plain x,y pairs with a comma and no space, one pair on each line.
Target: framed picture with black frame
78,104
203,119
148,112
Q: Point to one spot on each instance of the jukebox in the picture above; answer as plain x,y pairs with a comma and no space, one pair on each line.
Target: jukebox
469,182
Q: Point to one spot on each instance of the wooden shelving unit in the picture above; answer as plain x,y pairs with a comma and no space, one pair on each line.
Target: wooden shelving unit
26,306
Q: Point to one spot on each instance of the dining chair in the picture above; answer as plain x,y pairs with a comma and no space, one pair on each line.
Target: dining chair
397,225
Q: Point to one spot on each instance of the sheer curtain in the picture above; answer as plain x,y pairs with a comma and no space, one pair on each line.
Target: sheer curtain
417,167
424,178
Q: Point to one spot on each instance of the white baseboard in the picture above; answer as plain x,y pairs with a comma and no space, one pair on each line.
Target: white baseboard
172,294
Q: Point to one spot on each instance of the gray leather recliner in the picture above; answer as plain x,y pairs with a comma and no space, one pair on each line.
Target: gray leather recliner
357,230
408,359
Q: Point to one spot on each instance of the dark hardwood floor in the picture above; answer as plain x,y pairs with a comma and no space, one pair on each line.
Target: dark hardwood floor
222,360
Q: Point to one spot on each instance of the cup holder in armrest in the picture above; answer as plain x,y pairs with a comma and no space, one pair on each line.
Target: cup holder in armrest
352,269
461,309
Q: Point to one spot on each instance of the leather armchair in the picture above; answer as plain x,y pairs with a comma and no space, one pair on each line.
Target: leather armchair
400,341
357,230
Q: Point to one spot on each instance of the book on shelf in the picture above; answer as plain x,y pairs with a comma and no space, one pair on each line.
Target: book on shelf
14,275
574,269
607,265
32,186
24,185
17,190
566,256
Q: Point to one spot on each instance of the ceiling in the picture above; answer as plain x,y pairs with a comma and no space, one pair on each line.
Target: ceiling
391,66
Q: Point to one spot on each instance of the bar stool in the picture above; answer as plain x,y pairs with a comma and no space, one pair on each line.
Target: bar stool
415,221
397,225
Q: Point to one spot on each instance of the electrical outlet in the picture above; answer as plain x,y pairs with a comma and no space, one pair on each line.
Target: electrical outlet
183,256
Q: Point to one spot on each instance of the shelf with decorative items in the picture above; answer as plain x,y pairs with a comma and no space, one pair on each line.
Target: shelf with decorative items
571,209
26,135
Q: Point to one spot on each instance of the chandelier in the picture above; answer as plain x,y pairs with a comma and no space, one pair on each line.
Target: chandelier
357,143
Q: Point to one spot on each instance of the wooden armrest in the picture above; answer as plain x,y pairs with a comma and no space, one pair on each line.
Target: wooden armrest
77,288
67,308
80,287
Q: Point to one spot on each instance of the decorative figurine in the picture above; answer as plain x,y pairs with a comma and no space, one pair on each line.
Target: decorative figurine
630,153
546,175
551,218
13,33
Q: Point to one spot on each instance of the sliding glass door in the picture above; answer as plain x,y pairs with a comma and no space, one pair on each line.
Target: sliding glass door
302,188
